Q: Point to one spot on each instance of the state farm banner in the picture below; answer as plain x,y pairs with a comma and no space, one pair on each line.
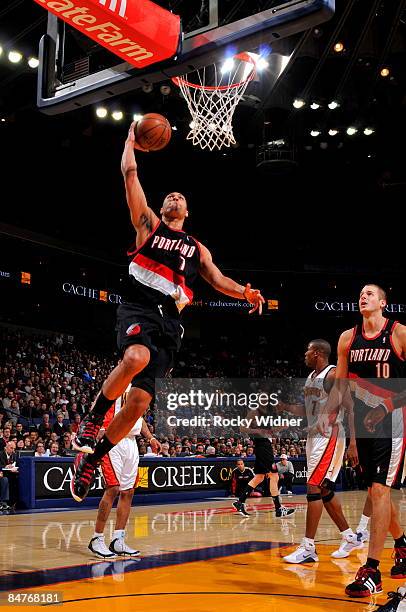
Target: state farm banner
139,31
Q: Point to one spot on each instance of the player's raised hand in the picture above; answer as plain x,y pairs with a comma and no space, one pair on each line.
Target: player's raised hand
254,297
131,138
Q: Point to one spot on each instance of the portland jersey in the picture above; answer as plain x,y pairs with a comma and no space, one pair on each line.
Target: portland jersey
115,408
316,395
166,264
374,369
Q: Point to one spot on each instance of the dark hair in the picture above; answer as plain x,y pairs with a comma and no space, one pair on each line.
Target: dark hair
322,345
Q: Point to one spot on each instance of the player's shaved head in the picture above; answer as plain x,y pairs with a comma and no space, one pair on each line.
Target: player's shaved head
321,345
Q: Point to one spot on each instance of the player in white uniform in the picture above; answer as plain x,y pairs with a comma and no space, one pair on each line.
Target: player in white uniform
324,457
119,468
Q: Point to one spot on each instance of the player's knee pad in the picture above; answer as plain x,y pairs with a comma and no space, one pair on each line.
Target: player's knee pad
328,484
328,497
311,497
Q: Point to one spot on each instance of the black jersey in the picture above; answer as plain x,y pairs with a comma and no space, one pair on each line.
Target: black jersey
166,264
374,369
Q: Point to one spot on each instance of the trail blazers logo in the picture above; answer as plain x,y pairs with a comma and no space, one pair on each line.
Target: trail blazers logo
142,478
112,5
134,329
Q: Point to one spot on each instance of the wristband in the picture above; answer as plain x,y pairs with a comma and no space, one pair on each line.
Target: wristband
388,405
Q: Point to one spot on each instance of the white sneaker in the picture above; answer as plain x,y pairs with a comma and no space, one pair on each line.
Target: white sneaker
305,553
290,493
119,547
98,547
364,533
348,544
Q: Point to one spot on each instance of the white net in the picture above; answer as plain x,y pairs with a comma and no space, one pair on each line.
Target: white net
212,106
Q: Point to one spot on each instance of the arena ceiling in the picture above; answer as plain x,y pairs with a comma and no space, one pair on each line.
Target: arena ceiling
338,206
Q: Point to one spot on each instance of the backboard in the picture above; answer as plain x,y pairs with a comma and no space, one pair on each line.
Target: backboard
75,71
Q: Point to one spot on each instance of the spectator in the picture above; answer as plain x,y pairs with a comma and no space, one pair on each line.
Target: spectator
76,423
45,426
59,426
5,438
8,457
54,450
4,492
286,474
66,443
164,450
240,477
40,450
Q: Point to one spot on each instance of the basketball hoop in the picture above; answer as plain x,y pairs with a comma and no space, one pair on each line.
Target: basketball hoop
212,106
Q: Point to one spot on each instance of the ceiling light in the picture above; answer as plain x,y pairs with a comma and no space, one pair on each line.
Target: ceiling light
315,133
299,103
339,47
33,62
385,72
333,132
262,64
117,115
351,131
228,65
137,117
314,106
101,112
15,57
368,131
333,104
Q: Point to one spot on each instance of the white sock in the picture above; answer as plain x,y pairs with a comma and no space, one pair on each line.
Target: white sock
347,532
119,533
309,541
363,523
98,535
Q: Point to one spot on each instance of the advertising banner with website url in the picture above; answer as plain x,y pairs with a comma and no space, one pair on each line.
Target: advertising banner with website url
294,408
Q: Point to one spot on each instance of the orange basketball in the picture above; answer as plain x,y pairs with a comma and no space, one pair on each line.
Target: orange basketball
152,132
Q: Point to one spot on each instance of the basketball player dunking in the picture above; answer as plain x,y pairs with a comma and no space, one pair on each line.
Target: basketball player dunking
324,457
163,268
376,349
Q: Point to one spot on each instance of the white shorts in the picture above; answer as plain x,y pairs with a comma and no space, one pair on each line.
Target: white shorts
325,456
120,465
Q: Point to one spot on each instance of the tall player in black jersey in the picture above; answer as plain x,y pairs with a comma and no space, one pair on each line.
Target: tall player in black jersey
162,269
372,356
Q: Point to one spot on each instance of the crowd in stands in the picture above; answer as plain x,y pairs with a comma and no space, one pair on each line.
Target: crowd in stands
48,383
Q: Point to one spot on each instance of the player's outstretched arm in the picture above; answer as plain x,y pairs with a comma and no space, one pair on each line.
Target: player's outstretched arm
142,217
211,273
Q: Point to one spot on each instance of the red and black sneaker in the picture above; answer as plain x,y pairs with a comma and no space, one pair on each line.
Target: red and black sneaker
367,582
398,571
84,475
86,436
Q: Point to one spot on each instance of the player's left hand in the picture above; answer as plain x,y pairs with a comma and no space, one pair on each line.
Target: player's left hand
374,416
254,297
155,445
352,454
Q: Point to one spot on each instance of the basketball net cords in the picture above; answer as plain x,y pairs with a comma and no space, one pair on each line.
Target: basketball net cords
212,110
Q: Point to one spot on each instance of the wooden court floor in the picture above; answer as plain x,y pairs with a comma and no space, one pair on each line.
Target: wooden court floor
199,556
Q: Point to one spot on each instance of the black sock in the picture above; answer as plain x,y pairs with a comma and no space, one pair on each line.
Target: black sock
277,502
101,406
372,563
245,494
400,542
102,448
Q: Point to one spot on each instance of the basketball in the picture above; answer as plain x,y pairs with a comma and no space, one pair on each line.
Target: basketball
152,132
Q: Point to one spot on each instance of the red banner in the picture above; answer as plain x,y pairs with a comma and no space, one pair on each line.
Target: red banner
138,31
